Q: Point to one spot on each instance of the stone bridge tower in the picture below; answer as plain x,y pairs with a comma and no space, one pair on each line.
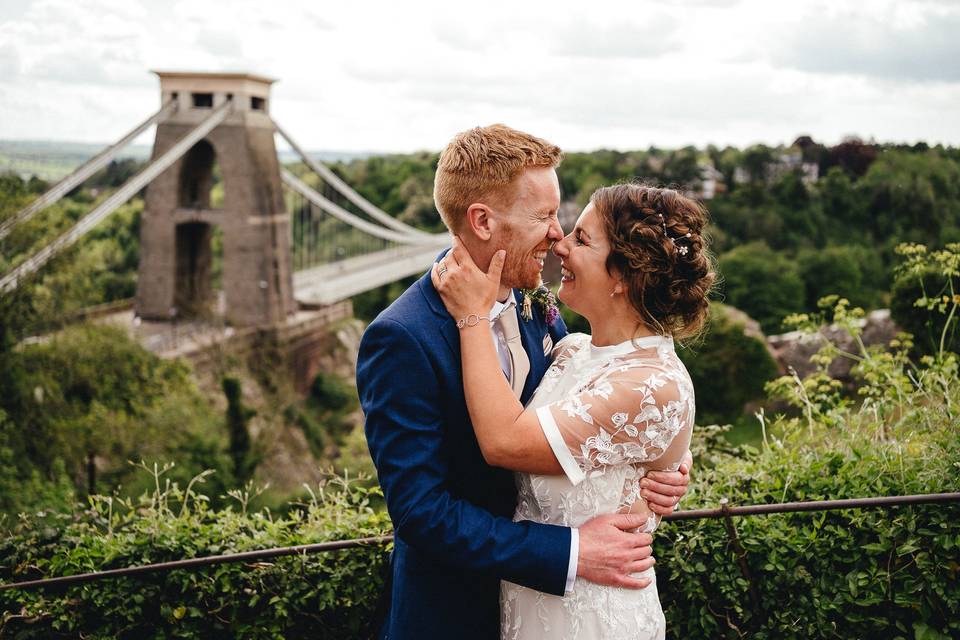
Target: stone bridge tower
229,181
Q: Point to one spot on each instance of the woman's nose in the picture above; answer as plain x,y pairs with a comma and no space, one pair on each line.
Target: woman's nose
560,248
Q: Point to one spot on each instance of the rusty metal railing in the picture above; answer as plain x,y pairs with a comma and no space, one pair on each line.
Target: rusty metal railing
725,511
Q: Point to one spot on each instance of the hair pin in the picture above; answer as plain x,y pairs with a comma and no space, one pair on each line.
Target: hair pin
682,249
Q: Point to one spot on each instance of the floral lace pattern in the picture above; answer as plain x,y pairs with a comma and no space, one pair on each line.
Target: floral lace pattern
611,414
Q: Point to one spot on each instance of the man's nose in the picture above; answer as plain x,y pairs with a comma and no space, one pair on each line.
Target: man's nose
560,248
556,231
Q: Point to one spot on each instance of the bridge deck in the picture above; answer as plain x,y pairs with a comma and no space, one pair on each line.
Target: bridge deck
339,280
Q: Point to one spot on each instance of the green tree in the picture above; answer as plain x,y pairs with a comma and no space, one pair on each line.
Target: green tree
89,398
853,272
844,210
756,159
762,282
238,418
912,196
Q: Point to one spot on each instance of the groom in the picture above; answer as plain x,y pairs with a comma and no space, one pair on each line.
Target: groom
455,538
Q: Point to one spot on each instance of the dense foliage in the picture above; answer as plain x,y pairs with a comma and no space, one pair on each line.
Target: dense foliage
318,595
870,573
81,403
849,573
102,268
76,404
838,574
835,234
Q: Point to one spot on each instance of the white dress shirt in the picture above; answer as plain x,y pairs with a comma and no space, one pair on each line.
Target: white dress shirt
503,354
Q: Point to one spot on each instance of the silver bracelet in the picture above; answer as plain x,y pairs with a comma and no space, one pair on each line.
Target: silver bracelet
471,320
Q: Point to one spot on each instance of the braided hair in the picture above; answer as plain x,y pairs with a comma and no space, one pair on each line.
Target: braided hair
658,249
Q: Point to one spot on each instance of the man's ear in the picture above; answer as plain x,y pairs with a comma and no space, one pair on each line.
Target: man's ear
480,221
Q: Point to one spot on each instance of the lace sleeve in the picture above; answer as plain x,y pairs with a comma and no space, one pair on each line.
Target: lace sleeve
632,415
566,345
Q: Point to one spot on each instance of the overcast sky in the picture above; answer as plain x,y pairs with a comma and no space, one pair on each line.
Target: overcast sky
403,76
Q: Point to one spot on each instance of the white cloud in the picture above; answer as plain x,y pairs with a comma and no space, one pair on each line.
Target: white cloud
643,37
877,45
405,76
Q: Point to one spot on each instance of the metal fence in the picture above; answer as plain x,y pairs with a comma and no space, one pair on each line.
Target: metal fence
725,511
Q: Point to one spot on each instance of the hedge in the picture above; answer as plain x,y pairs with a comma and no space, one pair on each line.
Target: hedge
319,595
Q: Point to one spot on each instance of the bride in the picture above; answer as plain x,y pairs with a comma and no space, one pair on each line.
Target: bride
613,405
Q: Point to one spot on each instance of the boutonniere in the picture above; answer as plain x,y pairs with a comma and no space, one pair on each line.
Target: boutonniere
544,299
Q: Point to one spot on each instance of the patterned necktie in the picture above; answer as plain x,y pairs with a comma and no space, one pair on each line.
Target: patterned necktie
520,363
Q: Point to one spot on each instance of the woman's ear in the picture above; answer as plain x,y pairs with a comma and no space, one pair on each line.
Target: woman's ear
618,286
480,221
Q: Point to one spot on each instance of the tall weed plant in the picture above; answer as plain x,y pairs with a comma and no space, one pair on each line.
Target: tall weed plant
880,573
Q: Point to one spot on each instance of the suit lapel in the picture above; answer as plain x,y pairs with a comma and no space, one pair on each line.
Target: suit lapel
532,340
442,319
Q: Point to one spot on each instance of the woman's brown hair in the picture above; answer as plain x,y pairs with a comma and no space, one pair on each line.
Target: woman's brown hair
658,248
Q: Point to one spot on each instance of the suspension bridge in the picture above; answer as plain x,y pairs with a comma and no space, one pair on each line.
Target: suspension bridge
288,240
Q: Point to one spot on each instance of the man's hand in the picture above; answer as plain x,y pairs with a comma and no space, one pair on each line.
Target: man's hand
663,489
609,554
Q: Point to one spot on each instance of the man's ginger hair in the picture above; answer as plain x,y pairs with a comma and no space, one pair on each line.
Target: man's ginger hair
479,164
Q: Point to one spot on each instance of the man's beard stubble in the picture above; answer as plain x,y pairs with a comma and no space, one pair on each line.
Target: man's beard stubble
518,270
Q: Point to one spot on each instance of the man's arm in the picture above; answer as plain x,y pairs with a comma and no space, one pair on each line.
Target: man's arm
400,399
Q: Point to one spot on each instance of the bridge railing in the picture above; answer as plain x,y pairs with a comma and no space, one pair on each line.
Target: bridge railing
725,511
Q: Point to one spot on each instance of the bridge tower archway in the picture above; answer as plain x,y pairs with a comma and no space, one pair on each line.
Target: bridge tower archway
193,294
199,175
184,209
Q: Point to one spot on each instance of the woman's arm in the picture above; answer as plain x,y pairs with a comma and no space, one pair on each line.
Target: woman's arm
509,437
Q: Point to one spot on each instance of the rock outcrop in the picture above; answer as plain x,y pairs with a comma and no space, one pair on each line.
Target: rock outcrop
794,349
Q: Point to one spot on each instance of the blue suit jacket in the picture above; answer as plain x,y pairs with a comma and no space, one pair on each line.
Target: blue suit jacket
452,513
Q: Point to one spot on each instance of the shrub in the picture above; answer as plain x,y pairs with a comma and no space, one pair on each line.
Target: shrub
849,574
332,393
728,367
834,574
326,595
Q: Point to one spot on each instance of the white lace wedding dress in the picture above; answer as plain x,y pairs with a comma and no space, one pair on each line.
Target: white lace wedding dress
610,415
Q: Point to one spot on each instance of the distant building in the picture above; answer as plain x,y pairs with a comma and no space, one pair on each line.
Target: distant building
792,160
741,175
711,181
787,162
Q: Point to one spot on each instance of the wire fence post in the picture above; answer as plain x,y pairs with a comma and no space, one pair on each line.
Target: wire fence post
741,555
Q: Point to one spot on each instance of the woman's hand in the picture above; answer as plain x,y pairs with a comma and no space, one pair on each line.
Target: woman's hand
464,288
663,489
